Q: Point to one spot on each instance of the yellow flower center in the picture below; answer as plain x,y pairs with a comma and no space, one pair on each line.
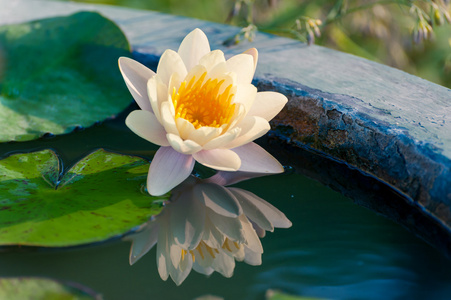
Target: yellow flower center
202,104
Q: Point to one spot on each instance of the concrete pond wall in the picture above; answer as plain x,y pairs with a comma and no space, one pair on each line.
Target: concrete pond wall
377,134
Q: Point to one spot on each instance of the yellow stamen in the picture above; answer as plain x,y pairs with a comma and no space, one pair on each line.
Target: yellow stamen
226,245
201,104
199,249
211,252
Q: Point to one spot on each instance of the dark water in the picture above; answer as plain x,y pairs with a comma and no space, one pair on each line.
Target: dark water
334,250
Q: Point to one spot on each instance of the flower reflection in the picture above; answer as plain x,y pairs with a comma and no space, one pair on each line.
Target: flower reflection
207,227
200,107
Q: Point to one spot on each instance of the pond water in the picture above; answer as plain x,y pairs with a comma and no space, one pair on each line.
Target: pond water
335,249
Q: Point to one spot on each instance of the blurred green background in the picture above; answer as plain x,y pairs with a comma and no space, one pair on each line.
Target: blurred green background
414,36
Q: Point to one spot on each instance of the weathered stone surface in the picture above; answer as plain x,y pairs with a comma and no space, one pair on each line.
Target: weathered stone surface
393,127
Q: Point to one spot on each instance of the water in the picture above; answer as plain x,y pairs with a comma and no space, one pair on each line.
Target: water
335,249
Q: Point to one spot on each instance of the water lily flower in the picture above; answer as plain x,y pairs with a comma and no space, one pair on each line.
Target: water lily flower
207,227
199,106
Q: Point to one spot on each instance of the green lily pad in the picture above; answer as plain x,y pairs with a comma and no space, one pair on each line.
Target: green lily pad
99,198
60,73
277,295
29,288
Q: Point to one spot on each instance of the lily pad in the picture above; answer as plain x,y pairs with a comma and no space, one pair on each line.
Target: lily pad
58,74
99,198
35,288
277,295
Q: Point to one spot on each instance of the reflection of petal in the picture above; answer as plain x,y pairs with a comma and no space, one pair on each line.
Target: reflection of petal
203,270
224,264
252,240
218,198
167,170
187,221
136,76
207,227
272,214
252,211
143,241
229,227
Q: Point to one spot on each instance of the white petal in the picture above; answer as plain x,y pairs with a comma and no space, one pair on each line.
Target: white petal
136,76
272,214
251,210
187,220
223,139
220,70
167,170
186,147
211,59
143,241
168,119
185,128
229,227
252,240
243,66
255,159
157,92
219,159
245,94
252,128
174,83
218,198
194,46
170,62
267,105
145,125
254,53
204,134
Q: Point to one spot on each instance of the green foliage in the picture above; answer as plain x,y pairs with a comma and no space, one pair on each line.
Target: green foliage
59,73
277,295
411,35
99,198
23,288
